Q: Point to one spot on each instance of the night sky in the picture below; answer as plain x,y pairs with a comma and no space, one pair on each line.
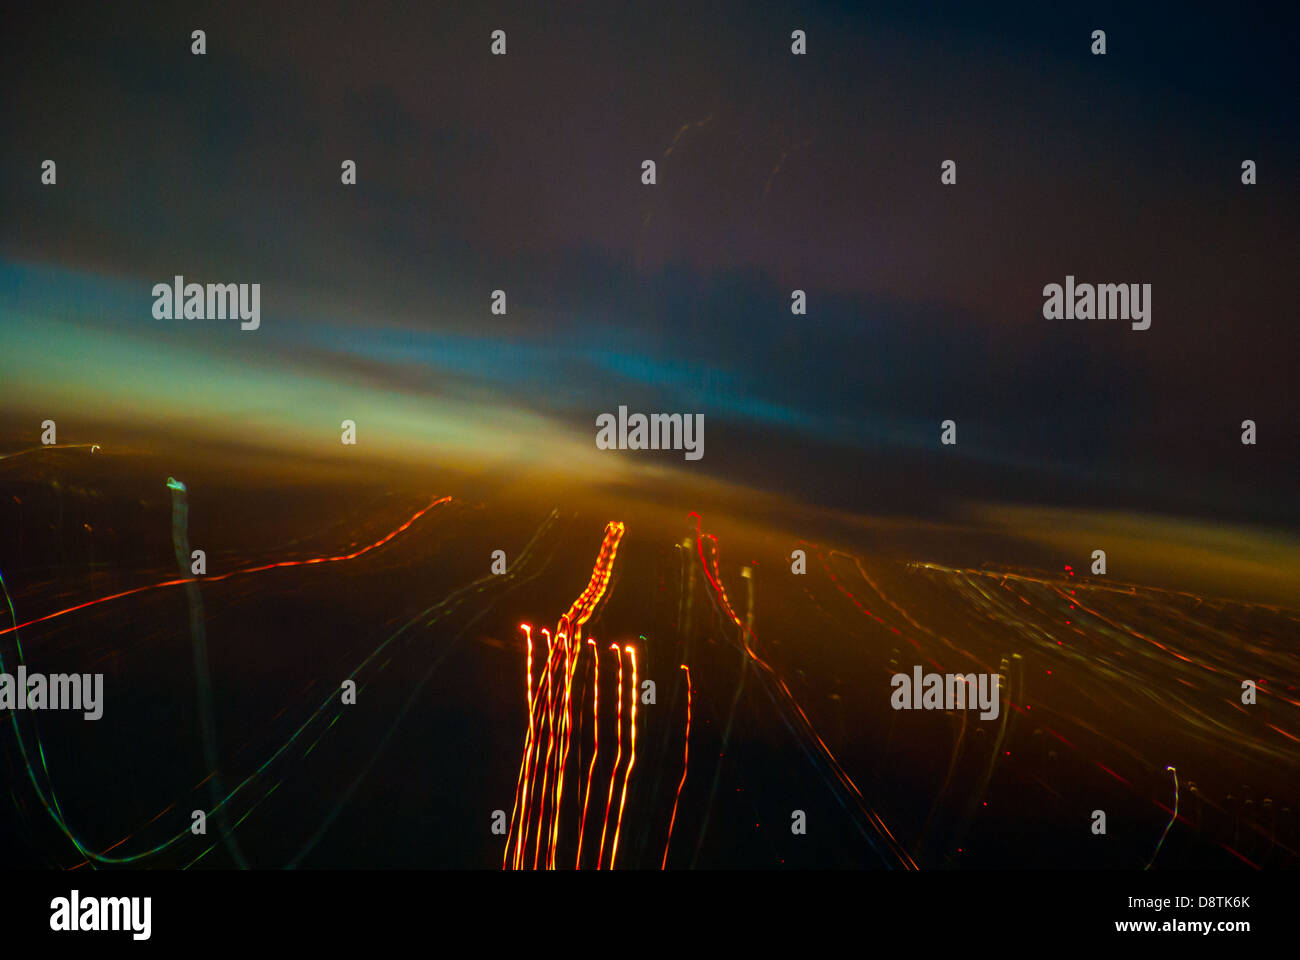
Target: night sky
775,172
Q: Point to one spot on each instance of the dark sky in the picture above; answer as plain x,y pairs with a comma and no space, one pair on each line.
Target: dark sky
774,172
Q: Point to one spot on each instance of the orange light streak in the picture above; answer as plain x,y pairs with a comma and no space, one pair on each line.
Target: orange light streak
595,748
631,760
618,757
686,756
548,711
528,740
550,747
233,573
